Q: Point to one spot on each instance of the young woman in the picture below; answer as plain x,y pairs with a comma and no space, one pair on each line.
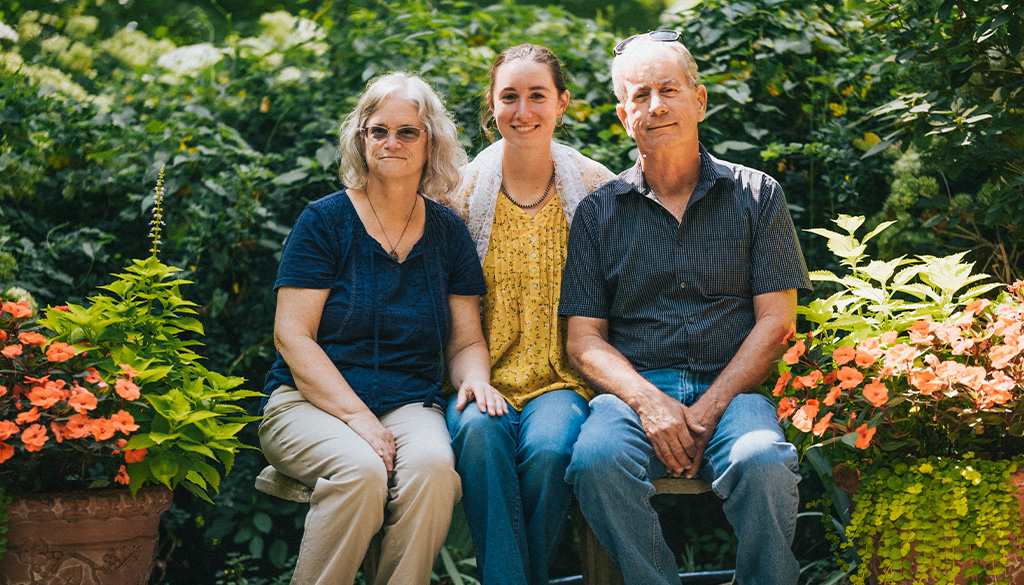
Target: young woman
518,197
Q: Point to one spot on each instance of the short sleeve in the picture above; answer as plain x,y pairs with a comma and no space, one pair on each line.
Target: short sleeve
584,293
310,256
465,276
777,262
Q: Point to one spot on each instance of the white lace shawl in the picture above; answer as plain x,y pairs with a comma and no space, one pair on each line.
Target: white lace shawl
477,196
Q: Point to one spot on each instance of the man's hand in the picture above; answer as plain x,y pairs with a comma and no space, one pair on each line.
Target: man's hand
702,419
675,433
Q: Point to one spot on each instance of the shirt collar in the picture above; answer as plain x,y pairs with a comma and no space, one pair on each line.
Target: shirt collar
712,170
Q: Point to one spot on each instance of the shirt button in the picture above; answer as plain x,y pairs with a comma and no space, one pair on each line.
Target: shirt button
682,285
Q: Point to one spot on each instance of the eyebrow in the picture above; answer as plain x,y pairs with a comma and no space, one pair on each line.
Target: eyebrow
534,88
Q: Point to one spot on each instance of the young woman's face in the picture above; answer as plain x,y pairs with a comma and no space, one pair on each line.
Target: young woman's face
526,103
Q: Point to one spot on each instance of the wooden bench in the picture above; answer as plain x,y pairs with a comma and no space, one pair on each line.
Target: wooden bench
598,568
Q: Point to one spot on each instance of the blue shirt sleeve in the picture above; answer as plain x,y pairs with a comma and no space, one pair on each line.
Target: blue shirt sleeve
583,288
311,253
466,276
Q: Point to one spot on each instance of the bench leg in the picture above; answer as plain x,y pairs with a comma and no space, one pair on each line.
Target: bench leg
597,567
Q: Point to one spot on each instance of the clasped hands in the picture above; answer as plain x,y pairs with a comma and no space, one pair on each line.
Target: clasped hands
678,433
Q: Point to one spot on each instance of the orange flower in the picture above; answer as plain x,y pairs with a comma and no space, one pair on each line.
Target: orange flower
833,394
1002,355
889,337
31,338
3,389
126,389
950,371
926,382
92,375
82,400
822,426
789,333
974,377
849,377
961,345
134,455
59,352
920,332
780,384
12,351
34,437
786,407
876,393
864,435
63,308
843,354
948,333
976,306
7,430
901,354
804,418
794,352
58,431
79,426
102,429
44,396
128,370
997,391
3,335
27,416
122,476
6,452
18,310
867,352
124,422
808,381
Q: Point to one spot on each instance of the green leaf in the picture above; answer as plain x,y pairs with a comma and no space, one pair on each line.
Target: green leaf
263,522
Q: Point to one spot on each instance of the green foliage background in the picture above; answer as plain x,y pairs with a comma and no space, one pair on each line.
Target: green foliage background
909,112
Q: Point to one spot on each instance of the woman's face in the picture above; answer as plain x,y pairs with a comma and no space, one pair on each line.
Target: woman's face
526,103
390,157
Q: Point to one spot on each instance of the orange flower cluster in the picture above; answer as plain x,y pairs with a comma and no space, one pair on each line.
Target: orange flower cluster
52,401
965,373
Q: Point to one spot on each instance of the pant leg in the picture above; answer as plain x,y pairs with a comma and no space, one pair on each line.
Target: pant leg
349,485
422,493
611,470
752,467
548,428
485,451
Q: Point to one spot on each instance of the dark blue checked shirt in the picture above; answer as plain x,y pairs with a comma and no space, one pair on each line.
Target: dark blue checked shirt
681,294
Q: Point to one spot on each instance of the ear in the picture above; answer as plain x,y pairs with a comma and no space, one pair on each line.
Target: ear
563,102
621,111
702,100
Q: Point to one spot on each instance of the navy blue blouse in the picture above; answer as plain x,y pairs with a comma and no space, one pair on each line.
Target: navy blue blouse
384,324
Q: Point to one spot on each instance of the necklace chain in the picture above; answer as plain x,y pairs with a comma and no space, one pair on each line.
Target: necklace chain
547,190
393,253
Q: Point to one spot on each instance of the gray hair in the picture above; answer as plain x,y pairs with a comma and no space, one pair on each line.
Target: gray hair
444,153
619,63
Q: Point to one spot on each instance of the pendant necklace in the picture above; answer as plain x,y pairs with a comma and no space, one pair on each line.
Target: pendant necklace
393,253
534,204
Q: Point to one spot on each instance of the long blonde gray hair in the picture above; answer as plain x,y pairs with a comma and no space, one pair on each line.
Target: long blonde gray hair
444,153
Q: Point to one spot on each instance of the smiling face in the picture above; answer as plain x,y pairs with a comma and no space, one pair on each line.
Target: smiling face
391,158
526,102
660,105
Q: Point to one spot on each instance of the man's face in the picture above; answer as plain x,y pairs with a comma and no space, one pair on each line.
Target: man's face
662,107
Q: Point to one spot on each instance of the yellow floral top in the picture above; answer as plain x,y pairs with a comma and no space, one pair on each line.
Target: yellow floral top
525,335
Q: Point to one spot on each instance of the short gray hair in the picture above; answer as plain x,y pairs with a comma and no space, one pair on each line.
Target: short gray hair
444,153
618,63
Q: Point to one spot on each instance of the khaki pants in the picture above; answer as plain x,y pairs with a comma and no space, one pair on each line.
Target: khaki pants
352,496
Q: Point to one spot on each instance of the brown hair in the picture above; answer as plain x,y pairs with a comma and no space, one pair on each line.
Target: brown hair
535,53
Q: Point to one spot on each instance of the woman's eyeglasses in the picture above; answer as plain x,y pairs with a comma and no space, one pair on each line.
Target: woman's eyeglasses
665,36
406,134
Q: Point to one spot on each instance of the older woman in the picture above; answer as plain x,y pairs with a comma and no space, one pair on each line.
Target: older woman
518,197
376,281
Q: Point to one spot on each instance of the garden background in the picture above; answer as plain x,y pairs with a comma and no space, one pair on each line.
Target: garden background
911,112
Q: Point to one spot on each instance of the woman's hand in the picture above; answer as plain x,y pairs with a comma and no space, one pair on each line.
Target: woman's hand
380,439
487,398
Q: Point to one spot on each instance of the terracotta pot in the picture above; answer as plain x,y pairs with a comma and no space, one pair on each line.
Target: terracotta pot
100,537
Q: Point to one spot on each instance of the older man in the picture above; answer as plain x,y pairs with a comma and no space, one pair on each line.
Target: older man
681,282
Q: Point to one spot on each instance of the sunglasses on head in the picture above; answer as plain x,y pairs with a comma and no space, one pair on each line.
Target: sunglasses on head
665,36
406,134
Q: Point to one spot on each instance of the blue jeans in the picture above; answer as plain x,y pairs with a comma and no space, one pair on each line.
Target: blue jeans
748,463
513,486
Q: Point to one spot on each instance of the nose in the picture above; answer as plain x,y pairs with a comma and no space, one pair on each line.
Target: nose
657,103
392,140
